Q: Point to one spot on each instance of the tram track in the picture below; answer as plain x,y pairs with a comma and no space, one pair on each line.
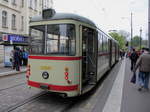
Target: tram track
13,86
55,103
29,100
15,82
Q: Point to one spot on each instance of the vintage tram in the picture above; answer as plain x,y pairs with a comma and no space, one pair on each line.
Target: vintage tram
68,53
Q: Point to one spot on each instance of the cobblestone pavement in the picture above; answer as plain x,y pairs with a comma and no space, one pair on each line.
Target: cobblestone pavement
10,94
7,82
47,103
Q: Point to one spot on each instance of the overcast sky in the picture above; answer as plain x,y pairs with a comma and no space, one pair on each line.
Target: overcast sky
109,14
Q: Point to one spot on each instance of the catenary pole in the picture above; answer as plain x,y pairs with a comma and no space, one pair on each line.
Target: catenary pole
149,24
140,38
131,30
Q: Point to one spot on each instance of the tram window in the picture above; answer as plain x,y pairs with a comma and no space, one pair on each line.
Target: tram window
102,41
61,39
37,39
105,44
100,45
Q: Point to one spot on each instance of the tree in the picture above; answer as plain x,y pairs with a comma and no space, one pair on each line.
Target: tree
136,41
118,37
144,43
125,34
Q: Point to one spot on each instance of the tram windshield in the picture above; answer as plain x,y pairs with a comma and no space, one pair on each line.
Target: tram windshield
55,39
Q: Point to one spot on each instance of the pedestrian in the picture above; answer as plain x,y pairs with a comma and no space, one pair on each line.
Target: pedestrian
127,54
25,58
20,56
17,59
121,54
143,63
134,56
12,59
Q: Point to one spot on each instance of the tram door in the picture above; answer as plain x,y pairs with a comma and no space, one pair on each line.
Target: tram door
89,54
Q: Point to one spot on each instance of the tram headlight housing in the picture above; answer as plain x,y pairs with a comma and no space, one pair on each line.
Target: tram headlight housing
45,75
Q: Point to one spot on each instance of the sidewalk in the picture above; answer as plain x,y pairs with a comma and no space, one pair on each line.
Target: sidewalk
4,71
124,96
134,100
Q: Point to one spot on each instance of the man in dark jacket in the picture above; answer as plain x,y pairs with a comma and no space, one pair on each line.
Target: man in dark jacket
17,59
134,56
143,63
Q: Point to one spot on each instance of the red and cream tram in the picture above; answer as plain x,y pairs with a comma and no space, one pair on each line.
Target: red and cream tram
68,53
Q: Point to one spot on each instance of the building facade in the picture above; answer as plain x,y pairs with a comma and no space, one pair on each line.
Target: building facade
16,14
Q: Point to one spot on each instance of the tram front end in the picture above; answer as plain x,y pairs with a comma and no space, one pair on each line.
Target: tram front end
53,64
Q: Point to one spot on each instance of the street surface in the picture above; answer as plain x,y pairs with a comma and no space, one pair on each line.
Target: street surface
113,93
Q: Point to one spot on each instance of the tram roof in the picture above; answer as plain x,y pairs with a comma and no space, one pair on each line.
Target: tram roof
60,16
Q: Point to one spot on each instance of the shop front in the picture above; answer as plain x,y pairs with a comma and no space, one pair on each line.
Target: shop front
9,42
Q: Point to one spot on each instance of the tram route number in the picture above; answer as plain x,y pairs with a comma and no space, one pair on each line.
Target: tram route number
45,87
45,67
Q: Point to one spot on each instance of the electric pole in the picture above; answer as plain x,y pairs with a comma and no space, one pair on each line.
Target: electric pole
149,24
131,30
140,38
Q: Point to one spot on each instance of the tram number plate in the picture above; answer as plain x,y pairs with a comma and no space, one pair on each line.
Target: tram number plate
44,87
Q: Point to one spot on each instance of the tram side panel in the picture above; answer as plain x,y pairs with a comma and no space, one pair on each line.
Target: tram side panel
63,75
103,56
113,53
117,52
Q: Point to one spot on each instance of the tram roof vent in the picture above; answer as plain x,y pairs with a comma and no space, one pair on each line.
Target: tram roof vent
48,13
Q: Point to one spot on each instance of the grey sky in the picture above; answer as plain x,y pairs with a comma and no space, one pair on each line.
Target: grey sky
109,14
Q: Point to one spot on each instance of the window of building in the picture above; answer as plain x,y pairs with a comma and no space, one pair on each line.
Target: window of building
22,23
14,2
44,4
4,19
30,4
5,0
22,3
35,4
13,21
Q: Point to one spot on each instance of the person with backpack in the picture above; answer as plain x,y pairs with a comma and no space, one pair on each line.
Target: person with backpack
134,56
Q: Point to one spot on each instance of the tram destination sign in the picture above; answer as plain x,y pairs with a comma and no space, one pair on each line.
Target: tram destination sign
15,38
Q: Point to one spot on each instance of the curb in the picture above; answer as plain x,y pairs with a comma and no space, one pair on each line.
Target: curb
10,73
